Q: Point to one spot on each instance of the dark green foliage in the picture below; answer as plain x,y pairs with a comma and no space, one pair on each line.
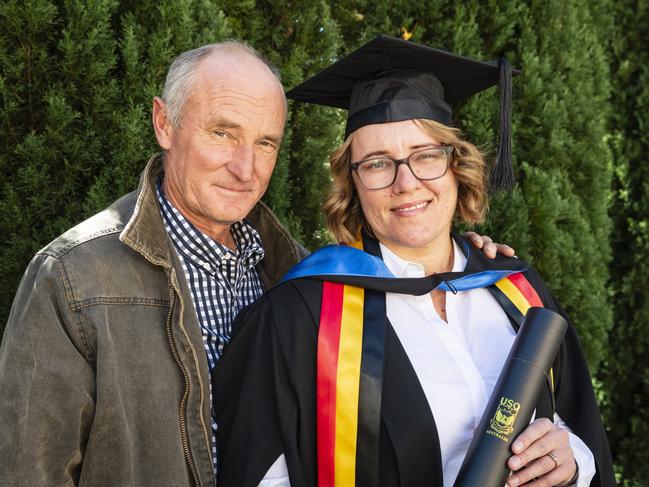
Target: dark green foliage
564,161
77,79
626,371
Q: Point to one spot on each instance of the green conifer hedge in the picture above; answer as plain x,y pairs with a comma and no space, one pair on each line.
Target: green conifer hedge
77,79
625,373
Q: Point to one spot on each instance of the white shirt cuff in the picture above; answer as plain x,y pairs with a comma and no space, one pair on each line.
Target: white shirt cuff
583,455
277,475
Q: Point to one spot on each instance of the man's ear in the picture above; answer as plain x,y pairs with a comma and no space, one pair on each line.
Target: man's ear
161,123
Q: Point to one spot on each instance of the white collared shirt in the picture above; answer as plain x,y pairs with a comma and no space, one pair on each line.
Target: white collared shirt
460,358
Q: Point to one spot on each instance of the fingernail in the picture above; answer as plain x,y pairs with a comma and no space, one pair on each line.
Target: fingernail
515,462
517,446
513,481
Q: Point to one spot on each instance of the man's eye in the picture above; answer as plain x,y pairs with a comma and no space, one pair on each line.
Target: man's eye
268,144
220,133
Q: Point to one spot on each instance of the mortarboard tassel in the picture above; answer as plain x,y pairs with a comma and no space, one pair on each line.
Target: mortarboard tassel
502,176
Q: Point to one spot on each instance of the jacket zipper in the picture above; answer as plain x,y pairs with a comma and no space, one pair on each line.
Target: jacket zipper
183,402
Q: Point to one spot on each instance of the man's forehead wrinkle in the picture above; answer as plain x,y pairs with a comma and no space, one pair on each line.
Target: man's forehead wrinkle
252,86
235,96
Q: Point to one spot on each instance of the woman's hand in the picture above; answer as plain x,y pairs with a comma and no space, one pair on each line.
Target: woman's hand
542,456
488,246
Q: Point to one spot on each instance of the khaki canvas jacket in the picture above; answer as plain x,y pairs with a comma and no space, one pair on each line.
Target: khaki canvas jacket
103,374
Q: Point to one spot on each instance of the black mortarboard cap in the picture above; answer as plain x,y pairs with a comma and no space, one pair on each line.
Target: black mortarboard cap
390,80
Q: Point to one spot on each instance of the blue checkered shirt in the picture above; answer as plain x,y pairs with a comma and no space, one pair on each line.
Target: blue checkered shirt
221,281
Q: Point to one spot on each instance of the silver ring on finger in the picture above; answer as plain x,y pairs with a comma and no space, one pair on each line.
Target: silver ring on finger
553,456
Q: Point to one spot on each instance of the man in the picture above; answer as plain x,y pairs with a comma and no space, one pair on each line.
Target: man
104,366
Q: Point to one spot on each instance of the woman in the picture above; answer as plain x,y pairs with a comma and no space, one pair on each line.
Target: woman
318,386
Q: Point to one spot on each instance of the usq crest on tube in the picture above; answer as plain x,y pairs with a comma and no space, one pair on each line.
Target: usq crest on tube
502,422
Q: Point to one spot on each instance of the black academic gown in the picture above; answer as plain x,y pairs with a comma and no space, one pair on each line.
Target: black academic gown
265,389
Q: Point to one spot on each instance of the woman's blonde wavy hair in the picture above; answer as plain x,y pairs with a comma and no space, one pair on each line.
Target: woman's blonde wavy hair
343,214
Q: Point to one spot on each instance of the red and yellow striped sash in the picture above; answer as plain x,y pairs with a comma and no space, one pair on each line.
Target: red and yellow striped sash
338,382
339,367
520,292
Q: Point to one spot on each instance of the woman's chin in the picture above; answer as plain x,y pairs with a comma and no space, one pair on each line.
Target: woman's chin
415,240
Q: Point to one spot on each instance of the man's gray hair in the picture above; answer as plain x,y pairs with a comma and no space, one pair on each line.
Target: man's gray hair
183,68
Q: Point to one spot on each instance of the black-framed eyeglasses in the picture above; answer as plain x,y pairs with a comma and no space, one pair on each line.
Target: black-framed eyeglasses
425,164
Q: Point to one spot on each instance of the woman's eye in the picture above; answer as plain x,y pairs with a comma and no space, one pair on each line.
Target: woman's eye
377,164
432,156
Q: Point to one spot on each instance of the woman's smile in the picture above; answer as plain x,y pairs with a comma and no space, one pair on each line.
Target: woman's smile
411,209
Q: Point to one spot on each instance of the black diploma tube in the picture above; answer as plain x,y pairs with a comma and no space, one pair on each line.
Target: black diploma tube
513,400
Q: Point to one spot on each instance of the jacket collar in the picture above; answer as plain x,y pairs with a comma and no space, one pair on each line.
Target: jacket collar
145,232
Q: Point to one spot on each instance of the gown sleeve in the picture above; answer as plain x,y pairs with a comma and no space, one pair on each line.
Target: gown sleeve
575,398
263,392
247,382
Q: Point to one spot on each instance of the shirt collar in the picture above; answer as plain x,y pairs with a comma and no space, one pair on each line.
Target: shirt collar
404,268
201,249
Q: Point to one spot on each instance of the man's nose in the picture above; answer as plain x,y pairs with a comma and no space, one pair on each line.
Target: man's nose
243,162
405,180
